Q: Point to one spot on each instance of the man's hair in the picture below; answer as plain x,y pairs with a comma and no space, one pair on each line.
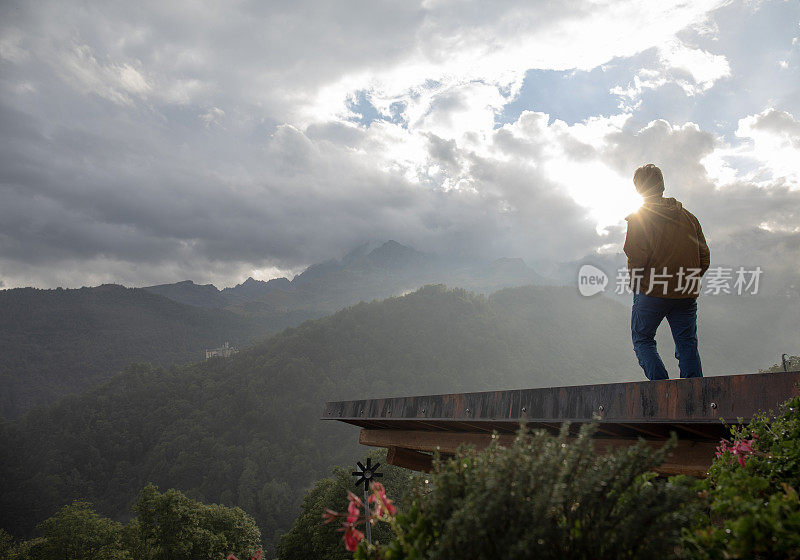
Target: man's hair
648,180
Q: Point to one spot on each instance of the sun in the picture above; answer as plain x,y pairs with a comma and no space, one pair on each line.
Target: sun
606,195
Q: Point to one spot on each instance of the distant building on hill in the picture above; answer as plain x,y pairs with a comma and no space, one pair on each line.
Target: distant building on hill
224,351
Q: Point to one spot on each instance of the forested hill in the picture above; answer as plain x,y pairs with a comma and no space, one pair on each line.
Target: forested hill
60,341
246,430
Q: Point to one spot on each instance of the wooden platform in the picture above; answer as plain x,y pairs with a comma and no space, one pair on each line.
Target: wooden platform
412,427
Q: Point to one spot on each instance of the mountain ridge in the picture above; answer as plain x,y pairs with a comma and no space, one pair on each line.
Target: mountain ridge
364,273
93,332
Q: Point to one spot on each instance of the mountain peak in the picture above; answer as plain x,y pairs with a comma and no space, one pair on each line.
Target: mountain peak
394,245
393,253
186,291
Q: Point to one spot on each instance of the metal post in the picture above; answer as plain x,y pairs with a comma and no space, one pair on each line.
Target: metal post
365,476
367,524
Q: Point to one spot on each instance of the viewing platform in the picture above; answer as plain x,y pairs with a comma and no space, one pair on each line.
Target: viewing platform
412,428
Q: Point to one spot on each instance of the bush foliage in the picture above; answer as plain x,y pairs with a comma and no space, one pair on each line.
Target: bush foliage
309,539
544,497
554,497
752,491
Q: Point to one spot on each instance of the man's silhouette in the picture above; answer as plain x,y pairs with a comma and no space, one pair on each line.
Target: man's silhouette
667,256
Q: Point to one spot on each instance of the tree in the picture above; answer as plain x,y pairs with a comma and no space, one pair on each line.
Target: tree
76,532
169,526
173,527
310,539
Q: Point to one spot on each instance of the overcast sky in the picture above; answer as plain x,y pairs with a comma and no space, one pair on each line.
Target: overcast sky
151,142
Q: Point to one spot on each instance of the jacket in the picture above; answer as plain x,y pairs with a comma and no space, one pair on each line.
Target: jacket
666,249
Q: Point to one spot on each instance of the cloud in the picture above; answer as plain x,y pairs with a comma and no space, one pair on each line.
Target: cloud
460,109
119,83
703,67
296,198
768,152
160,141
694,70
460,44
214,115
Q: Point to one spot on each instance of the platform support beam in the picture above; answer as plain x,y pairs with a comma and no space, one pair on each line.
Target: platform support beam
409,459
410,448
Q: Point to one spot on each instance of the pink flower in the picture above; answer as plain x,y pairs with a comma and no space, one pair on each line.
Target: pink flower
329,515
352,537
740,449
354,499
379,498
384,503
354,512
744,446
231,557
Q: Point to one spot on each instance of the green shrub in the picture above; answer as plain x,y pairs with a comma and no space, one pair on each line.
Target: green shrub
310,539
751,492
792,364
545,497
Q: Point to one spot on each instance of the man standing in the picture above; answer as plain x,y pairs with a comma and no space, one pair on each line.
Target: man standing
667,256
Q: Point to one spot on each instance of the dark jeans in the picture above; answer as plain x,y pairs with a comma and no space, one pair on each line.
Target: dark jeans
681,314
